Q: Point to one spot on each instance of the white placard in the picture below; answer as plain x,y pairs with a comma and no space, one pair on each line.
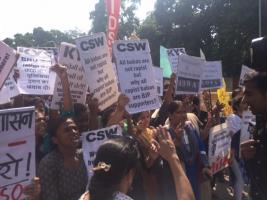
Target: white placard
135,73
35,74
189,74
17,151
9,89
245,70
219,147
173,56
7,61
212,75
247,117
158,74
96,61
4,95
69,57
91,141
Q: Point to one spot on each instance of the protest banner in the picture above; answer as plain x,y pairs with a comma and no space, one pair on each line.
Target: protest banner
245,70
7,61
189,74
212,75
4,95
54,51
9,89
158,74
69,57
135,73
96,61
165,63
173,56
35,75
219,147
248,120
91,141
17,151
247,117
113,11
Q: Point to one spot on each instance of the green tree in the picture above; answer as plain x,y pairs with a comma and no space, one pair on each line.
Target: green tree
41,38
222,28
128,22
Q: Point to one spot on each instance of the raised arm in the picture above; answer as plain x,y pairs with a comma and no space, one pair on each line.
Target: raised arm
168,152
120,112
61,72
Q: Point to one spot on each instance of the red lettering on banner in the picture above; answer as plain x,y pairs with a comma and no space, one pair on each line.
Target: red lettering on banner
113,10
16,193
220,163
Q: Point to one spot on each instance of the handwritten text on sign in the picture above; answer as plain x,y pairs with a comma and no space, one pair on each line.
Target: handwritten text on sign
135,75
96,61
219,147
69,57
93,139
17,151
7,60
35,76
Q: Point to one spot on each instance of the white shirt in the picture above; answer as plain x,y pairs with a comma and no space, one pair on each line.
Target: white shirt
121,196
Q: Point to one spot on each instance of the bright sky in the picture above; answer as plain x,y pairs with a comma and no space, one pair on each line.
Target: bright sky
21,16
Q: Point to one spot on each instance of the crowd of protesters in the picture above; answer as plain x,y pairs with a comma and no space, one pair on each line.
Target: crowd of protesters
161,155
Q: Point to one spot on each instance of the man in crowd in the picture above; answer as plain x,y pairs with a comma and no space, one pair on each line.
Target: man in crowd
254,151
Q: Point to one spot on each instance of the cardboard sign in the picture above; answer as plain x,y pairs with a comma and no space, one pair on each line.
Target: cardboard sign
54,51
173,56
91,141
9,89
158,74
219,147
189,74
96,61
7,61
247,117
245,70
17,151
165,63
135,73
212,75
69,57
35,74
4,95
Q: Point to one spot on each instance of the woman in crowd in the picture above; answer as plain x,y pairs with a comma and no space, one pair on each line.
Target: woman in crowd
62,173
117,161
189,145
234,122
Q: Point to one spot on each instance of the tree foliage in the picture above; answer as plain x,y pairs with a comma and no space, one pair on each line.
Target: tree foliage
41,38
223,29
128,22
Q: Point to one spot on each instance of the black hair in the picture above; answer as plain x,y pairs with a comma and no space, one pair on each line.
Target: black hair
174,106
195,101
122,155
135,117
53,125
259,53
259,79
236,103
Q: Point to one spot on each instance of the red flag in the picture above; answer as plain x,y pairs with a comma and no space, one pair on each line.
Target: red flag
113,10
